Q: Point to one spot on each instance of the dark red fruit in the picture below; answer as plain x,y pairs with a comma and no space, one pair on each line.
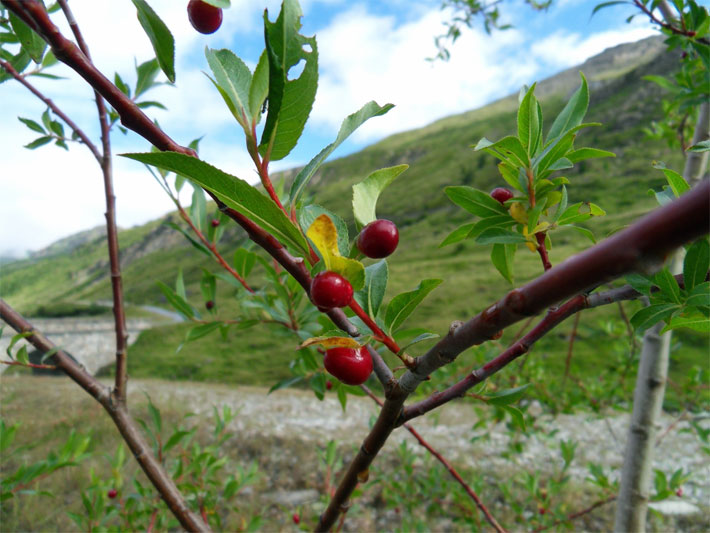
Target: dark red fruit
204,17
329,290
351,366
378,239
328,384
215,222
209,304
542,510
296,518
112,493
501,194
679,492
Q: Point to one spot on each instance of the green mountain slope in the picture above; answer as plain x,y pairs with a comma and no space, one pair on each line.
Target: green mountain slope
439,155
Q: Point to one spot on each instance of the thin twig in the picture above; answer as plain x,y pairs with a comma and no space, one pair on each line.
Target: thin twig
570,348
578,514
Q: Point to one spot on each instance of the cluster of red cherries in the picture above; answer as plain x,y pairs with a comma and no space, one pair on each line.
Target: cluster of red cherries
330,290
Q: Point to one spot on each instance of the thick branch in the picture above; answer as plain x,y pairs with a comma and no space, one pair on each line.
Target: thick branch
118,412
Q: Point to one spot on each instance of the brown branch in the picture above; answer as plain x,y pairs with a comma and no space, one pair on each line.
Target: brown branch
29,365
667,26
489,517
576,515
542,250
119,413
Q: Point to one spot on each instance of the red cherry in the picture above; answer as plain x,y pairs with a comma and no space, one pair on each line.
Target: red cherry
209,304
112,493
501,194
349,365
378,239
329,290
328,384
204,17
542,510
215,222
679,492
296,518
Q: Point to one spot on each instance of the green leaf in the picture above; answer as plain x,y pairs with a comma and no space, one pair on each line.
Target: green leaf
663,82
208,285
404,304
371,295
639,283
155,416
584,231
259,87
529,122
699,296
234,78
508,396
366,193
234,192
500,236
349,125
32,43
668,285
160,37
502,257
648,316
309,213
19,62
31,124
201,330
41,141
285,383
290,100
696,322
702,146
459,234
145,76
504,149
180,285
179,303
244,261
607,4
475,201
553,153
419,338
588,153
696,263
676,181
317,384
516,415
198,245
573,112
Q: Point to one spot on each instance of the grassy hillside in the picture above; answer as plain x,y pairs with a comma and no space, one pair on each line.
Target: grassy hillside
439,155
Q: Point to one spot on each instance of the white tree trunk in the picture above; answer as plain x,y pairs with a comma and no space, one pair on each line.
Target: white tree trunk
632,503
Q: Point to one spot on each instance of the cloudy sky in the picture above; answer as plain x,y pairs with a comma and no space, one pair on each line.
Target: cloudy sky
369,50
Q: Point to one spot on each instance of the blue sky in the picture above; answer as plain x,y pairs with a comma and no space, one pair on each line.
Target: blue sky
369,50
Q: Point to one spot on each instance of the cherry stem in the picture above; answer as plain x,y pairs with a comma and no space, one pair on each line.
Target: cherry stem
380,335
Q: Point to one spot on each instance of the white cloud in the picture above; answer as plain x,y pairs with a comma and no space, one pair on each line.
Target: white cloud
562,49
365,56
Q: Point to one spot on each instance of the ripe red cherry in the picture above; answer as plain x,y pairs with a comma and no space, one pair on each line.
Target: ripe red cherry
501,194
215,222
112,493
351,366
378,239
296,518
204,17
328,384
329,290
209,304
679,492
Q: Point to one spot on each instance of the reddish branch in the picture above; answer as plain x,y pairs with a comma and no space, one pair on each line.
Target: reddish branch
542,250
472,494
119,413
578,514
667,26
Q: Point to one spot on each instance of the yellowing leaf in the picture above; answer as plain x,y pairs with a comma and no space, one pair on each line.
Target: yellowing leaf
324,236
542,226
531,244
518,212
331,342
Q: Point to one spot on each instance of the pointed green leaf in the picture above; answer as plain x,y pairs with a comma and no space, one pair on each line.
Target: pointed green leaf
366,193
699,296
587,153
505,149
244,261
696,263
668,285
371,295
508,396
41,141
500,235
676,181
702,146
234,77
198,245
259,87
160,37
404,304
32,43
349,125
650,315
459,234
234,192
309,213
31,124
502,258
475,201
696,322
179,303
529,122
573,113
290,100
202,330
145,76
